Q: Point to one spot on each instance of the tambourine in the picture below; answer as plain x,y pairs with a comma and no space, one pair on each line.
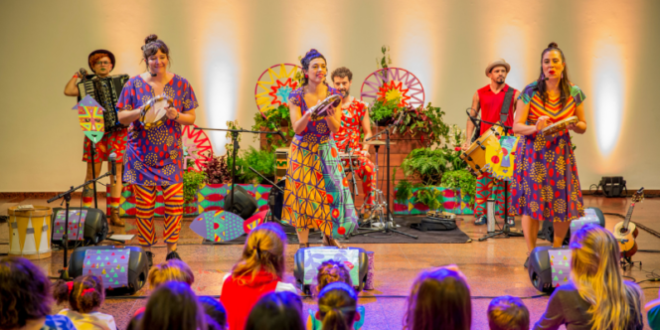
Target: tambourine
559,126
320,110
154,111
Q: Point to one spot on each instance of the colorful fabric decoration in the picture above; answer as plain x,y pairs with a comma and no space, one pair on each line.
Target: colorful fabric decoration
218,226
76,225
451,201
90,115
560,263
254,221
110,265
211,197
500,159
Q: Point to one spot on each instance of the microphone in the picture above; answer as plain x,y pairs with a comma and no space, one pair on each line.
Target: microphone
279,132
113,165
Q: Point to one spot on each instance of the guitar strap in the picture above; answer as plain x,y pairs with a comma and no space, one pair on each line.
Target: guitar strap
508,97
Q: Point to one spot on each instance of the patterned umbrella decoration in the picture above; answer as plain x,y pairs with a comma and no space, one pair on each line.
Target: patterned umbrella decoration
393,83
274,86
196,147
218,226
90,116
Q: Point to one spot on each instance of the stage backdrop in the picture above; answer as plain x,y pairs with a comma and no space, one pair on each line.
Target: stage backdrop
221,47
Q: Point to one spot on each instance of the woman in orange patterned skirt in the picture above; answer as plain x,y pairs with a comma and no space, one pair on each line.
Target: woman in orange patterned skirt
546,185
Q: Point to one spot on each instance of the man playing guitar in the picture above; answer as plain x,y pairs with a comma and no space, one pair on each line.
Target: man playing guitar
490,100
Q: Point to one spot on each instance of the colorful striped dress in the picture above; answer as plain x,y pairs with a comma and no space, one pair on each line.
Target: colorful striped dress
546,185
316,193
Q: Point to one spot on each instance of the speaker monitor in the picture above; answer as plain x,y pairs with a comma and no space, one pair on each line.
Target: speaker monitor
123,269
591,214
549,267
246,204
85,224
613,186
307,260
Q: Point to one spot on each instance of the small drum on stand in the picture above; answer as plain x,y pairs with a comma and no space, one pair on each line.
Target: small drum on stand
559,126
281,163
345,158
30,232
153,114
475,156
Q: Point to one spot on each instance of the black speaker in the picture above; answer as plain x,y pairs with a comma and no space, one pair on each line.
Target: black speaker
94,231
613,186
540,268
547,230
340,255
246,204
120,275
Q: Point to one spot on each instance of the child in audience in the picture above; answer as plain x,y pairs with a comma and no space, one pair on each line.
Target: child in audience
84,295
173,305
597,298
338,306
439,299
276,311
508,313
330,272
215,312
653,313
26,298
258,272
171,270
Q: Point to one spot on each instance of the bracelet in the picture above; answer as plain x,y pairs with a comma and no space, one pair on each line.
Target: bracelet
177,116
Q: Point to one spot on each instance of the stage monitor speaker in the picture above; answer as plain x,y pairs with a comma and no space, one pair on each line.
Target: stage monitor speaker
246,204
85,224
613,186
306,262
591,214
124,269
549,267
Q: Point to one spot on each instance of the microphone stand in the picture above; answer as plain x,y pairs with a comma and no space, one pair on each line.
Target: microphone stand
234,136
388,225
65,238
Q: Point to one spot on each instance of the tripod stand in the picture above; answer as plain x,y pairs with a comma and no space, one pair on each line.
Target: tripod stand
64,273
387,226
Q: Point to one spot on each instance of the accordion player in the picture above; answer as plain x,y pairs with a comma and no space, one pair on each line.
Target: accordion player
106,92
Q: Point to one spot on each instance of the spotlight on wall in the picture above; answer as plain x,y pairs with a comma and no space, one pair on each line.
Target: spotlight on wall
613,186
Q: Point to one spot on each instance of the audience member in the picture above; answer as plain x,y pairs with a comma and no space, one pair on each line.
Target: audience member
171,270
276,311
258,272
25,298
173,305
84,295
439,299
330,272
597,298
215,311
337,306
508,313
653,313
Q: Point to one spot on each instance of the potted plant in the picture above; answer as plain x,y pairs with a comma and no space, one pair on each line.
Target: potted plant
273,120
193,180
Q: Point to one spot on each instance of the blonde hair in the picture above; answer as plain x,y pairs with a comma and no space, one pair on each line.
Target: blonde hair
596,273
172,270
263,250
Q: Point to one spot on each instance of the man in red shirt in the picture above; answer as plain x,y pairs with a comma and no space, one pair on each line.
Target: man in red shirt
489,100
355,115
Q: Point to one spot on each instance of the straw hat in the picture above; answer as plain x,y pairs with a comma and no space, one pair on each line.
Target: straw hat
500,62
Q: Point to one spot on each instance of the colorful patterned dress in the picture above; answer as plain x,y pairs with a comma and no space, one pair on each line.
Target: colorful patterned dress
317,193
154,157
546,185
348,137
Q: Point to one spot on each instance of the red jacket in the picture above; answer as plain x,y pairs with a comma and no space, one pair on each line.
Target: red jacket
241,294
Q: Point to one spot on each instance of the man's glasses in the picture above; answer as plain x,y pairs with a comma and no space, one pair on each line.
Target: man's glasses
103,63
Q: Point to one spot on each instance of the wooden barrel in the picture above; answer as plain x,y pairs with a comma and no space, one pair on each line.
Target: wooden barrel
30,232
281,163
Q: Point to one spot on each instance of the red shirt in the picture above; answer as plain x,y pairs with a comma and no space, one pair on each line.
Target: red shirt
491,105
240,295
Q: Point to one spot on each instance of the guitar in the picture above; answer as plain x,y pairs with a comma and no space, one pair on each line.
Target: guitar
626,231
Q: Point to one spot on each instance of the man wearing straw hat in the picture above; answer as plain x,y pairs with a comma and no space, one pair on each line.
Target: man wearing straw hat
490,101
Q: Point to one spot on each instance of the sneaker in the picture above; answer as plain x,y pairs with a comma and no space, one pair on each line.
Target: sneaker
172,255
480,221
511,221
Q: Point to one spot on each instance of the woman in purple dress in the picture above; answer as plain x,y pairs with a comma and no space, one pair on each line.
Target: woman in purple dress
154,154
546,185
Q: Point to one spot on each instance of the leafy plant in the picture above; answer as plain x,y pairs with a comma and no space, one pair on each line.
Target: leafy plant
261,160
273,120
217,170
426,164
404,190
192,182
429,197
384,61
382,111
461,179
427,123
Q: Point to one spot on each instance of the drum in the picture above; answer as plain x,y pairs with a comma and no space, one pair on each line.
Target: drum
153,114
345,158
559,126
475,156
281,163
276,200
30,232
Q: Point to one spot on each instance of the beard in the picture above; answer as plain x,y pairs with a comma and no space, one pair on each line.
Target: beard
500,80
345,92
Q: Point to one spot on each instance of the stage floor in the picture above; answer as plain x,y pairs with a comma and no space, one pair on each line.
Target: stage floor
493,268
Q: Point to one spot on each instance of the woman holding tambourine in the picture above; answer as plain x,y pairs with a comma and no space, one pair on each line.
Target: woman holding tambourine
546,185
156,104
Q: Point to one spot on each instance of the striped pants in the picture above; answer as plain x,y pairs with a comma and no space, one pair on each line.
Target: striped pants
491,188
145,200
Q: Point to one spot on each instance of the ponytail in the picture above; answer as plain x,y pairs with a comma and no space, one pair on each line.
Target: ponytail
263,250
337,306
335,319
84,293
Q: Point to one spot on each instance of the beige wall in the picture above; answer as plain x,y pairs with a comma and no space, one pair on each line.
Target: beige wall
221,47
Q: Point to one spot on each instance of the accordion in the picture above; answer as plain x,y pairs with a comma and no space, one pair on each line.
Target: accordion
106,92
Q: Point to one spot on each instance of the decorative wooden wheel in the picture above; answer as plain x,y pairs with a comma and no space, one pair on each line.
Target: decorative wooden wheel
274,86
393,83
196,146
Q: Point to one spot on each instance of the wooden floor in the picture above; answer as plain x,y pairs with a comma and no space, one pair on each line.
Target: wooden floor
493,267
